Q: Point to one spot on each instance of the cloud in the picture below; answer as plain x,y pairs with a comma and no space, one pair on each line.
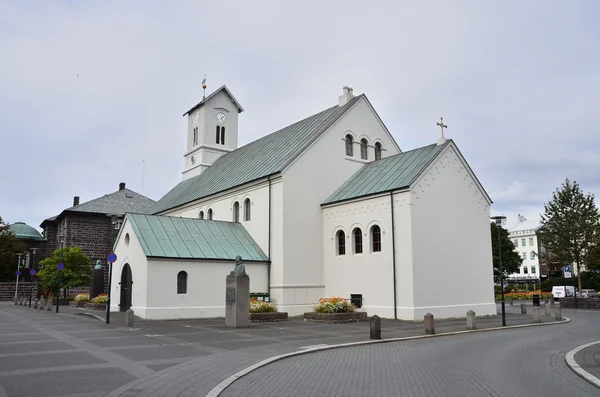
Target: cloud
90,91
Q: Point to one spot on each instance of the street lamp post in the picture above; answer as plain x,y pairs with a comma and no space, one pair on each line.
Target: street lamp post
59,277
18,272
33,251
114,227
499,220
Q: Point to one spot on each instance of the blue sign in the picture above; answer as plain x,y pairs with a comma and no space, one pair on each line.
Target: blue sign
60,266
112,257
18,273
32,272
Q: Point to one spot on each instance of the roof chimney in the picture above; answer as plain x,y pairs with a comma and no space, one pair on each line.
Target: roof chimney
121,185
346,96
75,201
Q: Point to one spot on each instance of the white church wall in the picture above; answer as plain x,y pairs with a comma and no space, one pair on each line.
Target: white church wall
405,293
308,182
368,273
449,209
129,253
205,295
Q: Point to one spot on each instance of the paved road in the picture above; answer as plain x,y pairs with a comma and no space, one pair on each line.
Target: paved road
517,362
45,354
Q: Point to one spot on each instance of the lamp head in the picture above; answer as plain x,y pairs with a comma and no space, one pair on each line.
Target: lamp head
499,219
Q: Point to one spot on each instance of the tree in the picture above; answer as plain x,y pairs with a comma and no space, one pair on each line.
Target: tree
511,260
570,226
76,273
10,246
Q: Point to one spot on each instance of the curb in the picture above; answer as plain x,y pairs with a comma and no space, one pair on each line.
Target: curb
571,363
216,391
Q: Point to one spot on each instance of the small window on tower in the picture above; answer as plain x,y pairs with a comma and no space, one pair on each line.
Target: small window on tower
378,151
195,136
222,135
218,134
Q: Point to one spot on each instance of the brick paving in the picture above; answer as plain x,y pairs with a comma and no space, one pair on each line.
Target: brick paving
47,354
589,359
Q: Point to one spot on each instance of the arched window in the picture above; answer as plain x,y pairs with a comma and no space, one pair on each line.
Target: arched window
218,134
182,282
201,215
247,214
209,214
357,234
340,241
378,151
375,238
222,135
195,136
348,145
363,149
236,212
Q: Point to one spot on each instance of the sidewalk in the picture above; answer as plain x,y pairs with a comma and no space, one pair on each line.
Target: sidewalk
585,361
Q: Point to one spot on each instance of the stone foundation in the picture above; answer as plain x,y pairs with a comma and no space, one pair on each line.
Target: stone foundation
267,317
582,303
336,318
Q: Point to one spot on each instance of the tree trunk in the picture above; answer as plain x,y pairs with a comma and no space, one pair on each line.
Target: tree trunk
578,278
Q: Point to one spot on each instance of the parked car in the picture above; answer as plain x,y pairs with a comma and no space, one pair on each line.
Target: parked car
588,293
563,291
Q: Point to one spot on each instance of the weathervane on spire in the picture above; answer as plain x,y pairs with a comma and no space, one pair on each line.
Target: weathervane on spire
204,87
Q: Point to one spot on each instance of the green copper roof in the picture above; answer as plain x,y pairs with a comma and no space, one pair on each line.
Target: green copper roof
389,173
188,238
25,232
265,156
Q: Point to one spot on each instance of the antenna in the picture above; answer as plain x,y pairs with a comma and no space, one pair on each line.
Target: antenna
204,87
143,163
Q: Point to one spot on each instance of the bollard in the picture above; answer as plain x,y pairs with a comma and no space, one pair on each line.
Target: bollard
20,302
557,312
552,302
510,300
129,318
42,304
375,327
546,299
523,308
49,305
16,301
547,306
471,319
35,303
429,324
536,314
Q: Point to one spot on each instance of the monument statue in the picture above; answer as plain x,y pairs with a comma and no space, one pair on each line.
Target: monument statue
239,269
98,265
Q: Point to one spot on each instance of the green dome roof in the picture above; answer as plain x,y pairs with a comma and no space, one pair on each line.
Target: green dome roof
25,232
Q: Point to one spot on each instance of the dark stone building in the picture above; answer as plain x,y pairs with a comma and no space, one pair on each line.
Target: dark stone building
92,225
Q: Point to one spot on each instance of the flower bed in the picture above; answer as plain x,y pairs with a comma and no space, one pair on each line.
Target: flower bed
80,300
95,306
257,306
335,310
261,311
335,304
523,295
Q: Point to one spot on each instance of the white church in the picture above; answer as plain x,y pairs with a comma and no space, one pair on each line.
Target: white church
327,206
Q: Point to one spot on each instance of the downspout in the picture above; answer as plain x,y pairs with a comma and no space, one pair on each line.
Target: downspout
394,255
269,249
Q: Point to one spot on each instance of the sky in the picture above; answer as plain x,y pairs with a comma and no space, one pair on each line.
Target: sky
92,93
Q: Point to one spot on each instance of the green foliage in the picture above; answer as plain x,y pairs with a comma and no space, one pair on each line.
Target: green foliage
77,271
570,226
82,298
335,304
511,260
101,299
589,280
9,247
257,306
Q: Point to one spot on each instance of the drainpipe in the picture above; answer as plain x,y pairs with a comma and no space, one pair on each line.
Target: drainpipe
394,255
269,249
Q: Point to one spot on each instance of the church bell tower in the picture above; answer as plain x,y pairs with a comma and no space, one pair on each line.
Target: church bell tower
212,130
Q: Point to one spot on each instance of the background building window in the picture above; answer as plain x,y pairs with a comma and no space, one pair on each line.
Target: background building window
523,242
516,243
532,255
340,237
525,270
524,255
349,145
209,214
358,249
363,149
531,241
376,238
533,270
247,209
182,282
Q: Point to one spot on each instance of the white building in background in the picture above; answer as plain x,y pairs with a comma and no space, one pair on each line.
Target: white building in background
524,238
326,206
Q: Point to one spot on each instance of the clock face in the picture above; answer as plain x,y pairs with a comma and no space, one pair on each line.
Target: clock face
221,118
196,118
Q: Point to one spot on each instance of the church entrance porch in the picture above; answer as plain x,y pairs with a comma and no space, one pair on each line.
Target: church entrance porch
126,284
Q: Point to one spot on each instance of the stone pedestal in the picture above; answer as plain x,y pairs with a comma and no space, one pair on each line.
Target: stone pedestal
237,301
429,324
97,287
49,305
35,303
470,319
42,304
510,300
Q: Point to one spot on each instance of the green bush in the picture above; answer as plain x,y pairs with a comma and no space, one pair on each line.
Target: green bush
257,306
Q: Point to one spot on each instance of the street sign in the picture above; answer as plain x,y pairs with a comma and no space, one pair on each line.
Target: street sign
18,273
60,266
32,272
111,257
